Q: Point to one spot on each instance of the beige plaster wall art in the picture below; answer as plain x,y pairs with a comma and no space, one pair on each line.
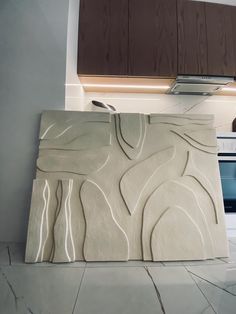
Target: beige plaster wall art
118,187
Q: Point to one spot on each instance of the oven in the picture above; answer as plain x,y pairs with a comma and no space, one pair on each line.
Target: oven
227,163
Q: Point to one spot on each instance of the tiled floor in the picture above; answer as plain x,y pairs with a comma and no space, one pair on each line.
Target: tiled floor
116,288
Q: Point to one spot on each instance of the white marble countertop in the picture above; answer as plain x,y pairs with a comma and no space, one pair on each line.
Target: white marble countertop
116,288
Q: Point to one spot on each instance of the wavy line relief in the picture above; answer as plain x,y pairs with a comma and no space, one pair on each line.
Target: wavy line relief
202,117
205,137
206,149
38,230
177,235
55,122
137,178
42,242
81,139
192,171
64,249
168,194
138,135
179,120
58,196
105,240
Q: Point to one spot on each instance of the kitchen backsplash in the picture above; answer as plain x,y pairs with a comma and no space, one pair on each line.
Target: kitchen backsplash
223,107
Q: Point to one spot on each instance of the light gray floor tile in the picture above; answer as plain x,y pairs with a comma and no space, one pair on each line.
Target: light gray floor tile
124,290
215,261
173,264
194,263
43,290
223,276
17,253
178,291
222,301
123,264
4,254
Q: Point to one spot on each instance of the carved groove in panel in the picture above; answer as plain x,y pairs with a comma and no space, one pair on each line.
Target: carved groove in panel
59,200
179,120
131,128
176,234
205,137
206,149
64,249
170,194
139,131
192,171
105,239
137,178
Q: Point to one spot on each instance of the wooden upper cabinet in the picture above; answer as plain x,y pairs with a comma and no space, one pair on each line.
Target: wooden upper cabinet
152,38
220,26
156,38
103,37
192,39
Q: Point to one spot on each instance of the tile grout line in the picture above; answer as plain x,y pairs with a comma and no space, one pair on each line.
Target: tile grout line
76,299
156,289
9,255
213,284
200,290
16,298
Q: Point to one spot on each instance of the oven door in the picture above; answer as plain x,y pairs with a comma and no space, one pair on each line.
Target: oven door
228,181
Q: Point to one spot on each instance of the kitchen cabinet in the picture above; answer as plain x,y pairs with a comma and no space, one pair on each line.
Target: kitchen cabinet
103,37
192,38
156,38
152,38
221,39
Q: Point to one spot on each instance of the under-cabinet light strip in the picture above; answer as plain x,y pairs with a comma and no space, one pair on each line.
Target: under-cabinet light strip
163,87
229,89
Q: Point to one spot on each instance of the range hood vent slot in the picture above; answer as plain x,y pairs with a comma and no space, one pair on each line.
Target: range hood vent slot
198,85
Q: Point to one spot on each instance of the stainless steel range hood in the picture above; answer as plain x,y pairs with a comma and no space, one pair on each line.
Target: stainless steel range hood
198,85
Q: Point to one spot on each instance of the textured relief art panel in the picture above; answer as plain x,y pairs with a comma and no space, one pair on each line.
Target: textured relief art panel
118,187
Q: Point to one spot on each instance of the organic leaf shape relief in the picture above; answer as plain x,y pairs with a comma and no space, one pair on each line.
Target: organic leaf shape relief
170,194
192,171
131,144
64,249
105,240
39,229
84,162
136,179
194,143
176,235
131,128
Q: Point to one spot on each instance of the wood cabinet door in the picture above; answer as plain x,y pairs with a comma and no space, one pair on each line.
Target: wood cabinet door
192,39
220,39
152,38
103,37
